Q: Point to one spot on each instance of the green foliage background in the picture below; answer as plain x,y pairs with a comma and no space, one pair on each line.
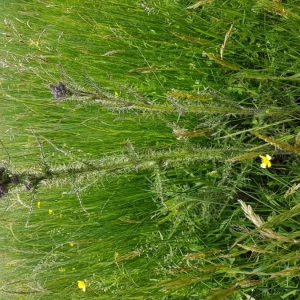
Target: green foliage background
144,165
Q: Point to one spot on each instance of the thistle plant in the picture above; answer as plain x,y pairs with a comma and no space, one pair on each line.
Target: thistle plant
150,149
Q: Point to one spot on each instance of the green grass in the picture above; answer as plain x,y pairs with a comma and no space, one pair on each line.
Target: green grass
146,183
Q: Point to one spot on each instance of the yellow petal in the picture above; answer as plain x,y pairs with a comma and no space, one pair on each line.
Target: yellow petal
81,285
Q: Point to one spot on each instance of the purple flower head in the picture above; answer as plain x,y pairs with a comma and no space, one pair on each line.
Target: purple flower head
59,90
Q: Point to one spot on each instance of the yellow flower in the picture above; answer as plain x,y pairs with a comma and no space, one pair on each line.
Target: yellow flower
81,285
71,244
38,204
36,43
265,161
50,212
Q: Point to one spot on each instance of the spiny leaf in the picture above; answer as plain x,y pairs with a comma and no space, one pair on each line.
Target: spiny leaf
188,95
183,133
276,143
246,156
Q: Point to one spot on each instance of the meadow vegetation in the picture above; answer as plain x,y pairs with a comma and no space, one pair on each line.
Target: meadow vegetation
168,168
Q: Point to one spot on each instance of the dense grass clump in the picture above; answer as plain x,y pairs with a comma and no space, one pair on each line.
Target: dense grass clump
150,149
